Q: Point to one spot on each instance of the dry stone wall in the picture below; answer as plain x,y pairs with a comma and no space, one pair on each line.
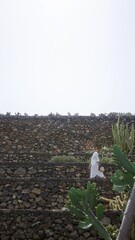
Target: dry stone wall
17,193
56,135
33,191
41,225
50,170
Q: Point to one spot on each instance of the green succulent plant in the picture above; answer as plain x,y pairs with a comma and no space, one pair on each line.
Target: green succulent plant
122,181
122,161
113,231
83,204
124,136
125,177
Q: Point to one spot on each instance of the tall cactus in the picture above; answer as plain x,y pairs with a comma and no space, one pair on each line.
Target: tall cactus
130,140
123,136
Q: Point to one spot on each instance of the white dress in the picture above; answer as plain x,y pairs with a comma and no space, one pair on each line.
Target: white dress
94,166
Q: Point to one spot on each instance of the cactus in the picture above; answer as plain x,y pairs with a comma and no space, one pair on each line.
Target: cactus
119,202
127,225
100,211
124,137
82,203
95,222
130,140
122,161
122,181
113,231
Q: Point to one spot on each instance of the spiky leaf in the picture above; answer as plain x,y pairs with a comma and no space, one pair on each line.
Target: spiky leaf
95,222
123,161
85,224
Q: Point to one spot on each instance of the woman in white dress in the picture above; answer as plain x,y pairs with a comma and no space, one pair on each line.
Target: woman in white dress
94,166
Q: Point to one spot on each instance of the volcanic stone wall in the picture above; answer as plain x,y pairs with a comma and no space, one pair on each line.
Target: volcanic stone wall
56,135
41,225
50,170
38,194
33,191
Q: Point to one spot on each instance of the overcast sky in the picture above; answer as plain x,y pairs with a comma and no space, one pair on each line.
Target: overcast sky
63,56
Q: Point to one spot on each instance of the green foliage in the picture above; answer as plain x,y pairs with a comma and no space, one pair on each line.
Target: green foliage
108,160
107,155
123,136
100,211
123,162
65,158
82,203
113,231
76,197
107,151
95,222
85,224
122,181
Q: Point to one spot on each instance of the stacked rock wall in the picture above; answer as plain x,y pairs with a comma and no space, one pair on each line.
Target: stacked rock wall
50,170
17,193
56,135
41,225
33,191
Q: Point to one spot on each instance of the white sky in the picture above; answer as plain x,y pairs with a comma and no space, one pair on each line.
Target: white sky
62,56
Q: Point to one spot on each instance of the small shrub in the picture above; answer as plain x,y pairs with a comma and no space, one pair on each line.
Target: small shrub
65,158
107,155
108,160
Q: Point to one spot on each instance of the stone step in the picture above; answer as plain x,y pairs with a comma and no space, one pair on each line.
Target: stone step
19,156
43,193
50,170
51,225
23,157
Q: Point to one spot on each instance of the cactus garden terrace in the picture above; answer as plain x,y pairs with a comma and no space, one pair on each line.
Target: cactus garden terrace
33,190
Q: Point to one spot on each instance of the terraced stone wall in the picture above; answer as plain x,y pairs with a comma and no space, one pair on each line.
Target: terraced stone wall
38,194
33,192
56,135
41,225
50,170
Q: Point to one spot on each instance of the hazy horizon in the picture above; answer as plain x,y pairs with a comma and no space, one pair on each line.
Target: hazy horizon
67,56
